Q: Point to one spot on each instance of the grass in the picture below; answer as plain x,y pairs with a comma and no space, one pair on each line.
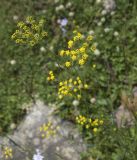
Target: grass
116,67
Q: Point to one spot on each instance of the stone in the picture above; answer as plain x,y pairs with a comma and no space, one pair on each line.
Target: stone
125,113
124,117
36,141
67,144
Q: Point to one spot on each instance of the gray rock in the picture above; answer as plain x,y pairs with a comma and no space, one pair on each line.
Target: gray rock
66,145
124,117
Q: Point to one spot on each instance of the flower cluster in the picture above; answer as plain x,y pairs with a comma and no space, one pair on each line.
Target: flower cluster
48,130
29,32
77,51
71,87
89,123
51,76
7,152
38,155
81,120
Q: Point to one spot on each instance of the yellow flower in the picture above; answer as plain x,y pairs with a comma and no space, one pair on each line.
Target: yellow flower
79,96
87,126
32,43
17,31
13,36
94,65
65,82
95,130
50,72
29,34
29,19
79,35
82,49
61,83
75,90
101,122
78,78
43,135
79,81
7,152
67,52
93,48
90,120
70,44
75,38
78,53
96,120
70,87
70,80
85,56
85,44
61,52
47,130
75,31
73,52
73,57
81,62
89,38
20,24
81,119
86,86
75,82
48,78
17,41
60,96
52,78
67,64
